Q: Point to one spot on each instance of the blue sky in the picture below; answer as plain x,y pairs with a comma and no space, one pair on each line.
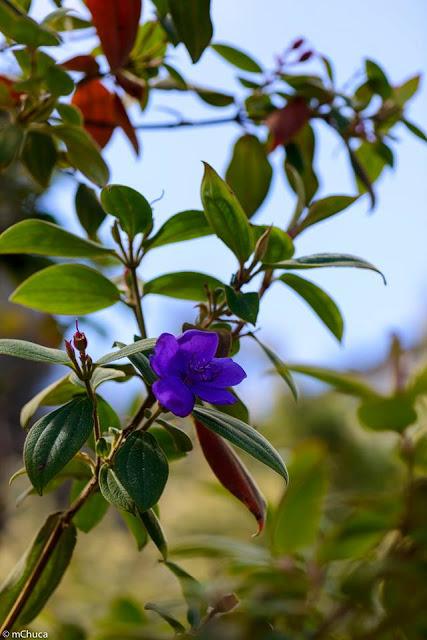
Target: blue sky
391,237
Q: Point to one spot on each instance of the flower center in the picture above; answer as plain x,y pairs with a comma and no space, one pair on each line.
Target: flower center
199,370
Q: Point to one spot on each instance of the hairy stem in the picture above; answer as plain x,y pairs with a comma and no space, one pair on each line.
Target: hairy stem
136,300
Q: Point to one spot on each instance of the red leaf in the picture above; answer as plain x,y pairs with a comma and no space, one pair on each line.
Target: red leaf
103,111
12,94
231,472
285,123
98,107
116,22
123,121
87,64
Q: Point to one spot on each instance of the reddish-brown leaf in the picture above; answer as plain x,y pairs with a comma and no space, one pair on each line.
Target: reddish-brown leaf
103,111
116,22
13,96
87,64
123,121
285,123
231,472
98,107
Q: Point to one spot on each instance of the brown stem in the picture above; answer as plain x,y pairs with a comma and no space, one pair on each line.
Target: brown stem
155,126
63,522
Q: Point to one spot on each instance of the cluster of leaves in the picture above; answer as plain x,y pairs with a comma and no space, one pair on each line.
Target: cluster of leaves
126,466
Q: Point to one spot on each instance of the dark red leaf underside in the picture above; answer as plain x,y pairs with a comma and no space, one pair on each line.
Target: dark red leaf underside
116,22
285,123
231,472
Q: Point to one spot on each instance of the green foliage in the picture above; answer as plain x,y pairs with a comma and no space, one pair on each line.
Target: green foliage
55,439
243,436
66,289
186,285
225,215
142,469
193,24
318,300
51,573
249,173
47,239
130,207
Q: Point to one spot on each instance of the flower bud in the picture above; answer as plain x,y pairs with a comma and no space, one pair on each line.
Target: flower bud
79,339
70,351
297,43
305,56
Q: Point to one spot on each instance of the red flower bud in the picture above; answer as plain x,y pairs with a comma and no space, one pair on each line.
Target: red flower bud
305,56
297,43
79,339
70,351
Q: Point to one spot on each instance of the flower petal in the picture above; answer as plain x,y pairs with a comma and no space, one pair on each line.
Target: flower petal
165,360
199,344
226,372
205,391
174,395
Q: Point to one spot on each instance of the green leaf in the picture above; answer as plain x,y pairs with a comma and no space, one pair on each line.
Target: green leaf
377,79
142,363
11,139
92,511
83,153
243,436
140,346
89,211
279,246
297,519
185,285
155,531
31,351
405,91
181,440
59,392
368,165
39,156
321,303
47,239
249,173
243,305
279,365
69,113
166,616
113,491
214,98
142,469
325,208
137,529
55,439
225,215
300,155
393,413
15,24
320,260
193,593
58,81
237,58
70,289
50,577
343,382
185,225
130,207
415,130
298,186
193,24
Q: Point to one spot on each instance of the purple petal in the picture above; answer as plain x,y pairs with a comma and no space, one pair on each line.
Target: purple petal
174,395
213,394
199,344
226,372
165,360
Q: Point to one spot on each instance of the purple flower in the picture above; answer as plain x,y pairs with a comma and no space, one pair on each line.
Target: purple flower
187,368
